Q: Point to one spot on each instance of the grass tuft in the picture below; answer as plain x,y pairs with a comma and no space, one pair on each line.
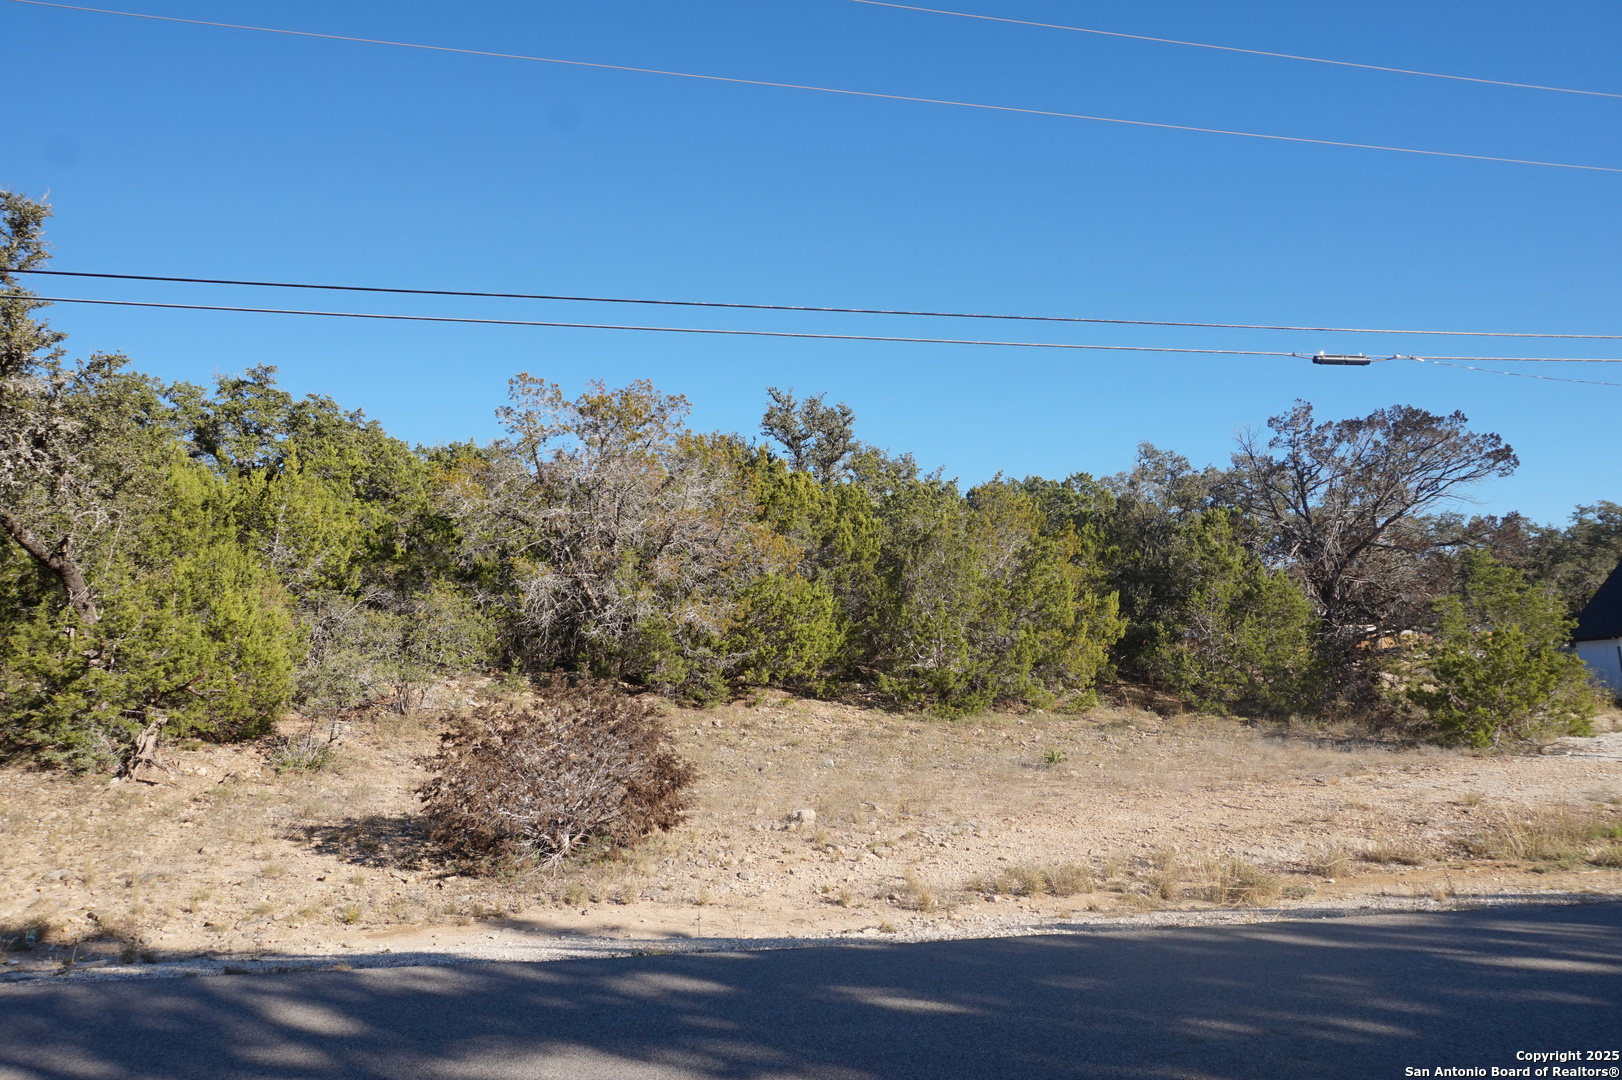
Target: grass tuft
916,894
1166,879
1330,861
1386,852
1062,879
1559,836
1237,883
307,753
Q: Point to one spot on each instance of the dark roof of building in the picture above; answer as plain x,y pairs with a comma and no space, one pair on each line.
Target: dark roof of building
1602,618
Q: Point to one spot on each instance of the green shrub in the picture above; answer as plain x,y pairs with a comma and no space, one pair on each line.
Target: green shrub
977,606
192,628
1498,670
786,631
1242,635
625,545
387,650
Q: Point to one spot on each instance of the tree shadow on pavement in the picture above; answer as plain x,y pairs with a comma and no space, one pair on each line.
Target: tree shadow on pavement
1321,1000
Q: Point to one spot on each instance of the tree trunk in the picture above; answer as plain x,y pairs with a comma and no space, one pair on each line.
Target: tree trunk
60,562
145,763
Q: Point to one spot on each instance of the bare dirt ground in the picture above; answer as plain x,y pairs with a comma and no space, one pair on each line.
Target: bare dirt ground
922,828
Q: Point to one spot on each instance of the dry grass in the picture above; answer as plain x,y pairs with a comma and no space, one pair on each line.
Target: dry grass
1387,852
1444,890
311,751
842,895
1062,879
1236,883
907,809
119,866
916,894
1069,879
1165,879
1329,860
1561,836
1172,878
772,759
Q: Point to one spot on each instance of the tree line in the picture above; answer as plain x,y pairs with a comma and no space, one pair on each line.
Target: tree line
209,557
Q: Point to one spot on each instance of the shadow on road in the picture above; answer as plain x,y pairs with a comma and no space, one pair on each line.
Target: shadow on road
1355,998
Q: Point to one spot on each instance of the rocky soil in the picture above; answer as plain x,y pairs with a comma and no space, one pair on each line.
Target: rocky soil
812,821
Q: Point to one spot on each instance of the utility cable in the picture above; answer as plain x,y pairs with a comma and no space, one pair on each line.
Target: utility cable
655,329
1525,359
815,310
1236,49
1516,374
831,89
794,334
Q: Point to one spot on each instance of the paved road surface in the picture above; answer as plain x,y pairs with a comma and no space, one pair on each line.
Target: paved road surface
1319,1000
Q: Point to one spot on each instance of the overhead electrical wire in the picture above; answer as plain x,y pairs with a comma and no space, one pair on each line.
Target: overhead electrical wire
1516,374
1525,359
1236,49
813,309
830,89
656,329
818,336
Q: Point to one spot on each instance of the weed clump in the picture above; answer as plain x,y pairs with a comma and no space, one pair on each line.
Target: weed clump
916,894
1237,883
1556,836
305,753
1166,882
1066,879
1386,852
1330,861
583,766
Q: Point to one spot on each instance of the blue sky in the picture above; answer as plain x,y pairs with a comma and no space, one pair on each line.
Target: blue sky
184,150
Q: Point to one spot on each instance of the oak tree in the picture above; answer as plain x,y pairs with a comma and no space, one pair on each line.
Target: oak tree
1334,499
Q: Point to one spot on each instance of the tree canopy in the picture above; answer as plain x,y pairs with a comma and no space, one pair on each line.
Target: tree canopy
204,559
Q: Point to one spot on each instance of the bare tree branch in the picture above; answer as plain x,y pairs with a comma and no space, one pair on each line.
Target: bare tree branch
1338,498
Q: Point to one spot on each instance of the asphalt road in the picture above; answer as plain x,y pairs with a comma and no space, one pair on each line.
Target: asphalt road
1355,998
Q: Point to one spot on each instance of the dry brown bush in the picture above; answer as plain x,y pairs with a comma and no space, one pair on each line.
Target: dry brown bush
584,765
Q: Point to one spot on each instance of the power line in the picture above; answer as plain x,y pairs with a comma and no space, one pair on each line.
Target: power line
831,89
657,329
795,334
1235,49
812,309
1362,360
1523,359
1516,374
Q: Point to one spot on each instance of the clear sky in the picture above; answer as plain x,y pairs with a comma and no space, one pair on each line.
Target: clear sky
186,150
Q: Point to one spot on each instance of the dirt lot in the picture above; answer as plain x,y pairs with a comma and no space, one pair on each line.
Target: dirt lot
922,828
